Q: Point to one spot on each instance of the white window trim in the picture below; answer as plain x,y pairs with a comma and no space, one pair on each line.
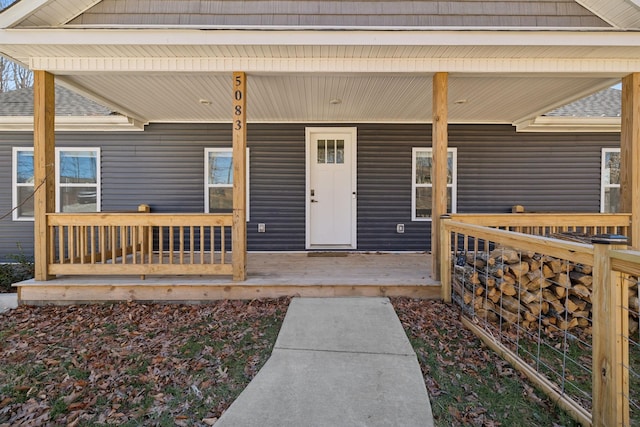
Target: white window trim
414,185
206,176
98,175
15,184
604,186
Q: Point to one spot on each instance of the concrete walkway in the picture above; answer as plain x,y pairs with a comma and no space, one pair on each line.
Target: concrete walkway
8,301
336,362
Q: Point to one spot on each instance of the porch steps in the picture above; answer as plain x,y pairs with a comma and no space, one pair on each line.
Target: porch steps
269,276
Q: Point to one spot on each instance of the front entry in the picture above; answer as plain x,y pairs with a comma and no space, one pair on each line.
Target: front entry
331,188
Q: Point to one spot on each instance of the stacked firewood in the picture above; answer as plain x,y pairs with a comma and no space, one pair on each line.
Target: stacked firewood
529,289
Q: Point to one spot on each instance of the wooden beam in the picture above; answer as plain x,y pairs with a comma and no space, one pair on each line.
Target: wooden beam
630,154
439,175
43,167
239,234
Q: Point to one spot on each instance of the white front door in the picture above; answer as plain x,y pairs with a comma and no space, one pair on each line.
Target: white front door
331,188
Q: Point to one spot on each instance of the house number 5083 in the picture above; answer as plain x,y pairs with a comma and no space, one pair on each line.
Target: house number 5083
238,95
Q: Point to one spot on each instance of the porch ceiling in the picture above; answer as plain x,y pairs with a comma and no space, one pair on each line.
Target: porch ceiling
206,97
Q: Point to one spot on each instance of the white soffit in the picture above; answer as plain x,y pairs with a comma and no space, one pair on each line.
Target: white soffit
624,14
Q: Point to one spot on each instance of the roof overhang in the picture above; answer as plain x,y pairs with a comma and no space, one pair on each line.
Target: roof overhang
184,75
570,124
112,123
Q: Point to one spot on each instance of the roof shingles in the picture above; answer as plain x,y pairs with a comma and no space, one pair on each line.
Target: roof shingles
20,103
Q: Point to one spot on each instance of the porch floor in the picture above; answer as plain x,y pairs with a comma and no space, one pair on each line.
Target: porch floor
269,275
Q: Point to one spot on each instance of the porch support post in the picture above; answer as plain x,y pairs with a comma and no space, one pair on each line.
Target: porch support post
439,141
239,233
43,167
630,154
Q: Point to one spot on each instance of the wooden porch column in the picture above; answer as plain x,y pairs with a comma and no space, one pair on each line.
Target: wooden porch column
239,234
439,142
43,167
630,154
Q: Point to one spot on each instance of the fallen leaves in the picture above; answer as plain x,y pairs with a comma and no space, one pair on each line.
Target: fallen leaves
146,364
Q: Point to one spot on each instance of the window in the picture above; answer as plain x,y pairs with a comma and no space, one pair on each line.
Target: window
77,181
610,187
422,184
23,184
331,151
218,187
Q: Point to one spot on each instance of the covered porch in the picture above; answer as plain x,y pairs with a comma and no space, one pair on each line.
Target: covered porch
269,275
327,76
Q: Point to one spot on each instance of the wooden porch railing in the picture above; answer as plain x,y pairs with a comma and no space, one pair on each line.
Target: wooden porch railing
139,244
588,359
544,224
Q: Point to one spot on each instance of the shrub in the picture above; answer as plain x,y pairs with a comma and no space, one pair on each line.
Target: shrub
20,269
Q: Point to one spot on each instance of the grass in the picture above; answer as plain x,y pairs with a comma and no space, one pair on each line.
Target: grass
468,383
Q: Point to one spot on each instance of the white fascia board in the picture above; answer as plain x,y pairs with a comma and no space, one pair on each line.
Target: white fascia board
196,37
570,124
609,68
73,124
19,11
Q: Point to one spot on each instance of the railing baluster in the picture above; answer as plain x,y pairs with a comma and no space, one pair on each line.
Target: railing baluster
123,243
114,245
171,244
223,246
191,245
134,244
161,244
52,234
202,244
150,241
212,244
71,244
181,248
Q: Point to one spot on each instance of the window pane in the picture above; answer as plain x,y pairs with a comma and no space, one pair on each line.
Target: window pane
220,168
423,167
221,200
449,170
611,199
25,201
321,151
78,167
340,151
25,167
78,199
423,202
331,151
449,191
612,168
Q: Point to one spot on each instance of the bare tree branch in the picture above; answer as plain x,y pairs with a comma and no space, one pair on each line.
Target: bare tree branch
13,76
